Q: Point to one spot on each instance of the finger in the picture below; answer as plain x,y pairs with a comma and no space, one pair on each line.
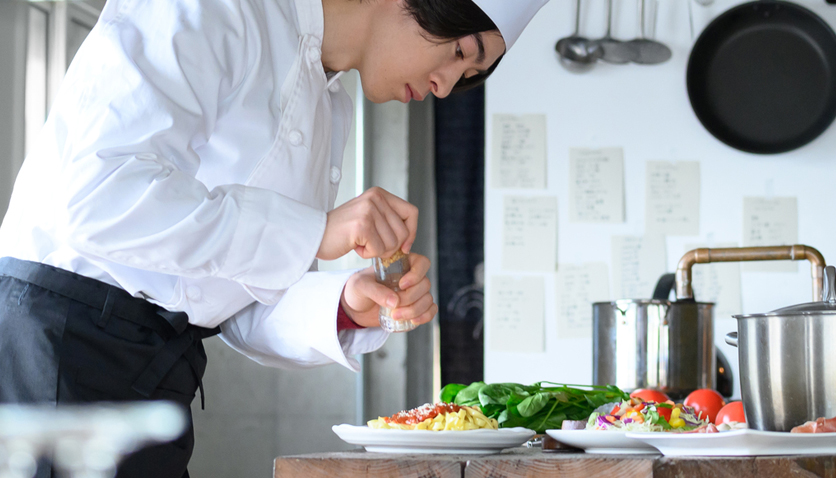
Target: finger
409,296
373,234
426,316
395,223
378,293
383,227
418,267
414,310
408,214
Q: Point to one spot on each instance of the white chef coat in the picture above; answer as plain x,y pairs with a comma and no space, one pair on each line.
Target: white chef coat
190,158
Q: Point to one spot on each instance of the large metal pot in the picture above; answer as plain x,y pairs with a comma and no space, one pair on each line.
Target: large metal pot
654,343
669,345
788,362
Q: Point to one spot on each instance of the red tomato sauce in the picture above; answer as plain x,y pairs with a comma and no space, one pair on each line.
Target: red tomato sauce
418,415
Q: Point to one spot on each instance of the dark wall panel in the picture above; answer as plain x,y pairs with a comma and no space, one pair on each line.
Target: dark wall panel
460,159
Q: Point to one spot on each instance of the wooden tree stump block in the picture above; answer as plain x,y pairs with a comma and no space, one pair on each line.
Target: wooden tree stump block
746,467
531,463
359,464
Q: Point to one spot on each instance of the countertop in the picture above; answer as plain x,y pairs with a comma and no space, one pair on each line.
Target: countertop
533,462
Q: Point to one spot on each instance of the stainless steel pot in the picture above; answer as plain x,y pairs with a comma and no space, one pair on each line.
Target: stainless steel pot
659,344
788,362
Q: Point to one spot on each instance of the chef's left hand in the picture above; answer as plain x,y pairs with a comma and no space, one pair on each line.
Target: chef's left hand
363,295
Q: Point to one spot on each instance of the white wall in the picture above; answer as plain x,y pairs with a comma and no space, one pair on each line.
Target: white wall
645,110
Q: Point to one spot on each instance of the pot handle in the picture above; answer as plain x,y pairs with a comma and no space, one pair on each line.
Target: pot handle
664,286
828,293
731,339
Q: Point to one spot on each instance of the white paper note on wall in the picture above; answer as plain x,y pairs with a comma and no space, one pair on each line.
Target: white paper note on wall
770,222
672,198
518,151
529,233
637,264
596,185
577,286
517,314
717,282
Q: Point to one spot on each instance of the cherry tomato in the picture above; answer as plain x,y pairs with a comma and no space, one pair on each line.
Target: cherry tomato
649,395
732,412
706,402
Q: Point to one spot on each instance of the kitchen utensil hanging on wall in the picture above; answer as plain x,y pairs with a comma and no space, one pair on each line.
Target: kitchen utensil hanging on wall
616,51
761,77
648,51
578,53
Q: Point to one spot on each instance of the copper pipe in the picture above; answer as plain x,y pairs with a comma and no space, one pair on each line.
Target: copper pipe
745,254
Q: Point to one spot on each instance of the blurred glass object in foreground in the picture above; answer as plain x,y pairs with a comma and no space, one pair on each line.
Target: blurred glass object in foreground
82,441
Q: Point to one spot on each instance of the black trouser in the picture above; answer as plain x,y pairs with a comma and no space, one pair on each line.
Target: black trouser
65,338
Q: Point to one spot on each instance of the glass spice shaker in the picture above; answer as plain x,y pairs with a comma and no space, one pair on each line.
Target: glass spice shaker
389,273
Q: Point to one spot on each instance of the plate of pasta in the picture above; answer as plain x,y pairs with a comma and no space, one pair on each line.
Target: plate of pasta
434,428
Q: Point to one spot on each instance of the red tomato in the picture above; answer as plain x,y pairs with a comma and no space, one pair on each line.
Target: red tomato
706,402
732,412
664,412
649,395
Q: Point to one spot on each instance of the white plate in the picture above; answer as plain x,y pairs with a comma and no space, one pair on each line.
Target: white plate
601,441
739,443
425,441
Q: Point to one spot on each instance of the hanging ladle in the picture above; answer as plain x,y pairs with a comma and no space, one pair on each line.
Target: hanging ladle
616,51
650,52
576,52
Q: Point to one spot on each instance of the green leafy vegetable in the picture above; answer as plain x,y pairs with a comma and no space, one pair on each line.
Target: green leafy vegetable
653,417
467,396
533,404
539,407
448,394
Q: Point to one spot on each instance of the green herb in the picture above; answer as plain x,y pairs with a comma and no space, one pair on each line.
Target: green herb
653,417
539,407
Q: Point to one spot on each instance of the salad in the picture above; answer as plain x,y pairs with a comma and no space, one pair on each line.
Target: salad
637,415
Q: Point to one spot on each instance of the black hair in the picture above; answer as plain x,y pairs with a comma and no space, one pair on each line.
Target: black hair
451,20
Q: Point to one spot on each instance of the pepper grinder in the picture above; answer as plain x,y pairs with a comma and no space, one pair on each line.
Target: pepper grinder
389,273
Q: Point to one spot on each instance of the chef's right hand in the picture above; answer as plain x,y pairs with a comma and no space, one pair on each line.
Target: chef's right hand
374,224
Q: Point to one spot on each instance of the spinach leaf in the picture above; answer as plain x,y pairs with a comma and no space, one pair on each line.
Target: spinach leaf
533,404
554,422
498,393
469,394
509,419
493,410
449,392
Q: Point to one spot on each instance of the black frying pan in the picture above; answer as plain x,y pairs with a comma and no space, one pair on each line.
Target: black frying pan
762,76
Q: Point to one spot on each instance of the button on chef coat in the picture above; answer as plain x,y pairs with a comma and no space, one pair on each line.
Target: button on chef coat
190,158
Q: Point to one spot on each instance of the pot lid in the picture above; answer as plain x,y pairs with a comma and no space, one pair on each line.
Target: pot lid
827,305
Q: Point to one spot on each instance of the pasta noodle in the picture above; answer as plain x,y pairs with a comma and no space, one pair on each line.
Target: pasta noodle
436,418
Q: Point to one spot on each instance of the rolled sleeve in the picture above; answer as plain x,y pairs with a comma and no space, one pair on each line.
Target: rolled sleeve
300,330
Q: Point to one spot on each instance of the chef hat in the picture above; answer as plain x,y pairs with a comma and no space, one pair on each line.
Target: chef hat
510,16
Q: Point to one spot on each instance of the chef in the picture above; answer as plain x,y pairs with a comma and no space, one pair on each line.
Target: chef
184,183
